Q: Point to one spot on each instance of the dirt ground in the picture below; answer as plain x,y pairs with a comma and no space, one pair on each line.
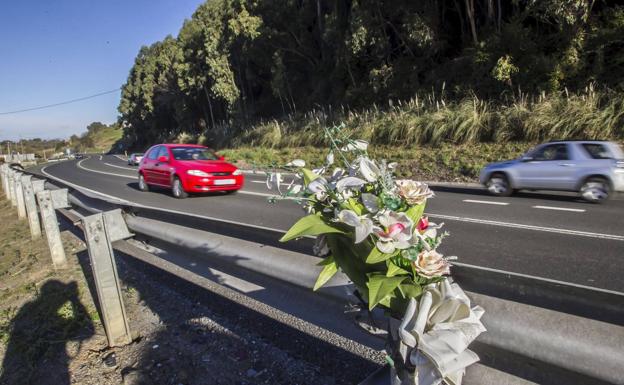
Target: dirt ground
50,329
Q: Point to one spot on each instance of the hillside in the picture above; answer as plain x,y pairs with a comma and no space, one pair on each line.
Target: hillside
452,71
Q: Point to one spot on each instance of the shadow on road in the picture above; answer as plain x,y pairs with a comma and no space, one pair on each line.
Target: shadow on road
37,350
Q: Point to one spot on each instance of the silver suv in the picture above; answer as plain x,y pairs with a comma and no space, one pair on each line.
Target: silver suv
593,168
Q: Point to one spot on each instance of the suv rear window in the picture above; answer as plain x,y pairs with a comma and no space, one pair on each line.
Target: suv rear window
597,150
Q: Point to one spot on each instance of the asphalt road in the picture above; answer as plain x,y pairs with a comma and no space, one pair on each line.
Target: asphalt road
555,236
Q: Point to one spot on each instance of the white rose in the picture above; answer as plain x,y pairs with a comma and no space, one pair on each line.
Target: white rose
413,192
431,264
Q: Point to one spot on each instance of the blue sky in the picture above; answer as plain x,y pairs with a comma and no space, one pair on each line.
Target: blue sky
57,50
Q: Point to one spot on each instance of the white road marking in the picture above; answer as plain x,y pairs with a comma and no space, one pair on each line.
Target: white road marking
539,278
122,167
530,227
486,202
440,216
79,164
559,208
100,157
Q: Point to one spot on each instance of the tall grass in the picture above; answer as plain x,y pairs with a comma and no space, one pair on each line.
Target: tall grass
430,119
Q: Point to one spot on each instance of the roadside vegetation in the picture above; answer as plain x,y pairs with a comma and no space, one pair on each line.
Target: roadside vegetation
258,78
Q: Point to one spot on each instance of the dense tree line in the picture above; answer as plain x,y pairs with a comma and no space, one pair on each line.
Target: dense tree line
236,62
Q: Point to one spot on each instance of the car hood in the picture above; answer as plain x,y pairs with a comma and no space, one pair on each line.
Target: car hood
209,165
504,163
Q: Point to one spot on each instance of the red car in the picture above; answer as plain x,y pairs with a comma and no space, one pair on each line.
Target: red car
187,168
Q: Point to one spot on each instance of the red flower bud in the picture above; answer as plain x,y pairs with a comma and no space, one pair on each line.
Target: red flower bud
423,223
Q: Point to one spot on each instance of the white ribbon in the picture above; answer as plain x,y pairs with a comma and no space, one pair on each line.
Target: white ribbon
435,333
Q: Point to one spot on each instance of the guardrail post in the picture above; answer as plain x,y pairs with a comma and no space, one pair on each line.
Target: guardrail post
12,195
31,207
4,174
19,196
46,200
100,231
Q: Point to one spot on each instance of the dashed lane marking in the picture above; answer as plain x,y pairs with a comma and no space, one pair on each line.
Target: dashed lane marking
486,202
559,209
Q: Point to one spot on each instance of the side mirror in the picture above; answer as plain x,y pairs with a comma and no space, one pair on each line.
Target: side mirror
163,159
221,157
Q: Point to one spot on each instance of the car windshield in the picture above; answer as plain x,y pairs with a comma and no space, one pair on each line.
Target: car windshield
193,153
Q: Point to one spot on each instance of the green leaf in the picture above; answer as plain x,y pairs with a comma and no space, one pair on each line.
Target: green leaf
348,260
355,206
394,270
311,224
415,212
328,271
379,286
308,176
376,256
410,290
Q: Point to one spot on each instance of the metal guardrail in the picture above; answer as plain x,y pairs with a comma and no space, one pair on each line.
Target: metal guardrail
543,330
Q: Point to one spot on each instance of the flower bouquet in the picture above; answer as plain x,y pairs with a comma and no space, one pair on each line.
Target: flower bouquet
372,227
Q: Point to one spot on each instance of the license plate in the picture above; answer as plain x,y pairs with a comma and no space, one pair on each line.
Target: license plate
222,182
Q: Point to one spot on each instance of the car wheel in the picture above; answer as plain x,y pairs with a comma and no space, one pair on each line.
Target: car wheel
595,190
143,186
498,185
177,189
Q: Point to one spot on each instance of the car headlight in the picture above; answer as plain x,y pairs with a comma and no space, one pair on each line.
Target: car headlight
197,173
237,172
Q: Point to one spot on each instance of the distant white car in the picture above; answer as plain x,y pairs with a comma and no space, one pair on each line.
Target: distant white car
135,159
593,168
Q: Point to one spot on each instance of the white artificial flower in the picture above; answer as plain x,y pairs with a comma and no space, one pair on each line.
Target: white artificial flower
359,144
296,163
349,183
396,232
369,169
336,174
329,160
319,188
413,192
370,201
431,264
362,224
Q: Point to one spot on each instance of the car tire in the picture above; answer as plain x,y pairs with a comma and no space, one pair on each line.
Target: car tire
143,186
498,185
595,190
177,189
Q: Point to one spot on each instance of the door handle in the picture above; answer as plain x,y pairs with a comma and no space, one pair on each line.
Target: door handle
566,164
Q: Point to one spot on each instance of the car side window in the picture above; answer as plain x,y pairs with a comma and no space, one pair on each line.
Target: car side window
596,150
153,154
552,152
163,152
